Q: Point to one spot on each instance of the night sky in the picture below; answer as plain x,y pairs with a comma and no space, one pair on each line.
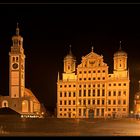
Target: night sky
49,29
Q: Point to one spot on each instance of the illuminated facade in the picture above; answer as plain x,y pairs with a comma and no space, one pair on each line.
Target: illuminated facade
89,91
137,102
20,99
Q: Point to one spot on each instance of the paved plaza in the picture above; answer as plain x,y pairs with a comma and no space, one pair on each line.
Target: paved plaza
13,126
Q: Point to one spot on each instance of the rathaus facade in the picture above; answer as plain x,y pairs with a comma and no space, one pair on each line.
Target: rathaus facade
89,91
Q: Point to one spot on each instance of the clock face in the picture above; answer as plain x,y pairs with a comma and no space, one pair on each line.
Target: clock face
15,66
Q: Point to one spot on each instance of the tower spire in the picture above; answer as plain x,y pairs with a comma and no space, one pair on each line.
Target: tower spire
92,48
120,45
17,29
70,52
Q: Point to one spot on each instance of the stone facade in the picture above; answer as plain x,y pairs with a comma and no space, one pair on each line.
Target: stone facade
89,91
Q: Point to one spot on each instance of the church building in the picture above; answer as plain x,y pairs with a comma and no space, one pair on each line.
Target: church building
20,99
88,90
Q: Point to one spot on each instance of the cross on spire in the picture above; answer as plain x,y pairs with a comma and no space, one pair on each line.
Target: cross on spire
92,48
17,29
70,50
120,45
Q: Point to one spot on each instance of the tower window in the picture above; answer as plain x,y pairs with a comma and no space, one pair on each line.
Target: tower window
13,59
16,59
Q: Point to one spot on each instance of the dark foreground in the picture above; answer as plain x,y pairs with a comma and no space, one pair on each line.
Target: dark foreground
13,126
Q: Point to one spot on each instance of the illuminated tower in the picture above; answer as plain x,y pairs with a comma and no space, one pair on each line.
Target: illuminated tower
69,62
120,63
16,67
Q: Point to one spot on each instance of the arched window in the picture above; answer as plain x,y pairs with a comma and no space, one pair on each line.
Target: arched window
5,103
25,106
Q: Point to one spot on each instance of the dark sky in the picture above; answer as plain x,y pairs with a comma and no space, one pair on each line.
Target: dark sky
48,29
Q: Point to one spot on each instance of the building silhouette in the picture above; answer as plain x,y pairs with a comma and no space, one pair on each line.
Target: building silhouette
89,91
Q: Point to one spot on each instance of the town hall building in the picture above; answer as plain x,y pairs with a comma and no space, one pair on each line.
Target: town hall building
90,91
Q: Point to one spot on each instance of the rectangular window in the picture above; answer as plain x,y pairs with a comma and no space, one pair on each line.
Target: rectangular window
109,93
124,93
69,102
80,86
84,92
65,85
98,71
69,85
119,93
60,86
89,92
65,94
103,102
124,109
93,102
103,92
94,71
73,102
89,71
13,58
79,111
103,71
109,102
102,112
80,72
119,102
88,102
60,102
98,102
114,93
124,84
80,93
65,102
16,59
98,92
114,84
84,102
79,102
114,102
60,94
69,94
98,78
73,94
73,85
109,84
124,102
93,78
93,92
97,113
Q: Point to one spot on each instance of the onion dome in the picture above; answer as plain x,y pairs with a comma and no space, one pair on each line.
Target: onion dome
120,52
